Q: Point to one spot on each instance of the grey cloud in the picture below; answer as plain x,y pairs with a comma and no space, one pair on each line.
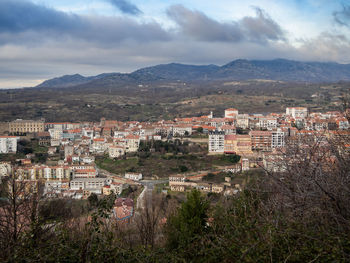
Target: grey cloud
262,27
29,22
343,17
19,16
199,26
126,7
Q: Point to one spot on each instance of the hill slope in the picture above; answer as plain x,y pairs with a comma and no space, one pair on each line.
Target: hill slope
278,69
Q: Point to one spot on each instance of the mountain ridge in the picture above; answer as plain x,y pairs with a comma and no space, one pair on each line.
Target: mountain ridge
240,69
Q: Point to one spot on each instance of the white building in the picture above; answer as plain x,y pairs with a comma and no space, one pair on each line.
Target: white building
5,169
133,176
182,130
231,113
115,151
91,184
301,112
216,142
132,143
8,144
277,139
56,134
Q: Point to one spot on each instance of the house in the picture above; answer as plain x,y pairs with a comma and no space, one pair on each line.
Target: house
123,209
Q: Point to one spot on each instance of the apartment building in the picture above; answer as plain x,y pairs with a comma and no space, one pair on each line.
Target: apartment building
26,126
216,142
278,139
261,140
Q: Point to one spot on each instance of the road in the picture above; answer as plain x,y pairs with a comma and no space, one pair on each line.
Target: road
146,194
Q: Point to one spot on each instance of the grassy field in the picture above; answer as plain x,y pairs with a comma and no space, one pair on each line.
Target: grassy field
162,165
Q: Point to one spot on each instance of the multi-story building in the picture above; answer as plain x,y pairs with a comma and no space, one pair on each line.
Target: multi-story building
278,139
238,144
216,142
132,143
261,140
91,184
26,126
8,144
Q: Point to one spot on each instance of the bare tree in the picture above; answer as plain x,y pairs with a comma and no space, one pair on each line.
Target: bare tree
149,220
311,177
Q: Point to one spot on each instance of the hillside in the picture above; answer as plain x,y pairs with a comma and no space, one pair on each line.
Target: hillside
278,69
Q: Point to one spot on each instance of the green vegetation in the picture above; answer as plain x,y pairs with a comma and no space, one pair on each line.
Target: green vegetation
162,165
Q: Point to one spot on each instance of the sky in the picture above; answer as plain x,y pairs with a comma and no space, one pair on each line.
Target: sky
42,39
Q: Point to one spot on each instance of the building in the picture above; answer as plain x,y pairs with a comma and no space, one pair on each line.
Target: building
5,169
24,126
231,113
116,188
182,130
216,142
261,140
238,144
8,144
277,139
94,185
133,176
301,112
115,151
132,143
123,209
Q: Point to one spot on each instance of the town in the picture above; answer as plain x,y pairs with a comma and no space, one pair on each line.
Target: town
68,158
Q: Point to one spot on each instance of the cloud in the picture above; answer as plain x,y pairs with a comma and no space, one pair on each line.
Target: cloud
342,17
126,7
26,22
19,16
261,27
197,25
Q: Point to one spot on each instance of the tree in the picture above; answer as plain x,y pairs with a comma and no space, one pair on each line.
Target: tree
189,223
93,200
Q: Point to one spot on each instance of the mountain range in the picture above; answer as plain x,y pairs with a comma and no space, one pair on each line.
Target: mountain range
241,69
